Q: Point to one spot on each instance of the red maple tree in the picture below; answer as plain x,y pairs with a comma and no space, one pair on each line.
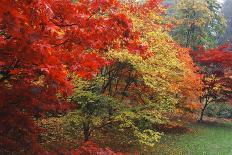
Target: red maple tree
216,68
41,42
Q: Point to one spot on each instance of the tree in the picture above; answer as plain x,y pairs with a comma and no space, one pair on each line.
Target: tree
216,67
226,9
121,83
141,85
170,68
95,109
198,23
98,111
114,51
41,43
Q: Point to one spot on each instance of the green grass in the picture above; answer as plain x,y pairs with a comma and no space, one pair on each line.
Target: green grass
205,139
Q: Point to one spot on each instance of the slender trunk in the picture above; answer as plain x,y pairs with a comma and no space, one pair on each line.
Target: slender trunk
203,111
110,113
86,130
117,82
128,83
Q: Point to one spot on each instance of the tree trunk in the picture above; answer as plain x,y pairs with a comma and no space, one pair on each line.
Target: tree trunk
203,112
86,130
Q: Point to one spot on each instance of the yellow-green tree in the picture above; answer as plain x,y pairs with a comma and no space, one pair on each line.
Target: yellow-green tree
153,77
198,23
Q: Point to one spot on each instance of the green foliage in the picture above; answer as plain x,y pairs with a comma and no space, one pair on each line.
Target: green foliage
140,125
157,70
94,107
227,11
225,111
222,110
199,23
98,111
91,102
57,136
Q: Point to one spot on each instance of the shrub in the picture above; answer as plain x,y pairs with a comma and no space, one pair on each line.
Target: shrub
219,110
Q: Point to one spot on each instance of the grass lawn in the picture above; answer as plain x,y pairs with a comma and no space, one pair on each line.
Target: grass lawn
205,139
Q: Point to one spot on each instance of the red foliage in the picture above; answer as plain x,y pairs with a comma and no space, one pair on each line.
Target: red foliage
216,64
89,148
218,55
151,4
41,41
146,6
218,59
